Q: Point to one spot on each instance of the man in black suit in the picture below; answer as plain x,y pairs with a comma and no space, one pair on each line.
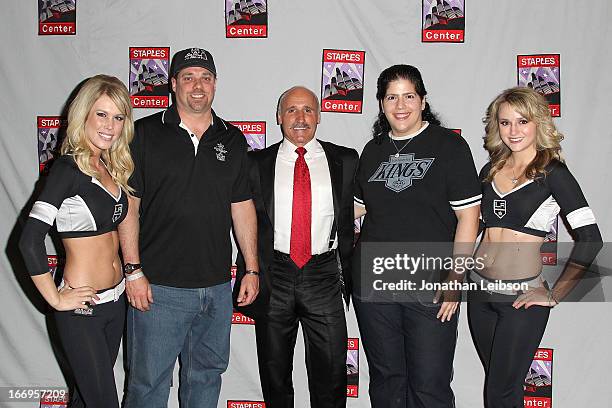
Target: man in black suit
303,193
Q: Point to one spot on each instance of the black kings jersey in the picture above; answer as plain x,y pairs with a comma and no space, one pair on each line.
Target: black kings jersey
412,196
78,204
532,206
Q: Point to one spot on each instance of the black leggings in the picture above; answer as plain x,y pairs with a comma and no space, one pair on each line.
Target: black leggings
506,340
91,343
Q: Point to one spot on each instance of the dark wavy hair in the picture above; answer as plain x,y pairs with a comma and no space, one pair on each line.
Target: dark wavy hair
381,126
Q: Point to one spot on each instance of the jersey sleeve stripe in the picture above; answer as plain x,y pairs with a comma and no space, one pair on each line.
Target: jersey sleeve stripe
581,217
468,205
358,201
467,200
44,212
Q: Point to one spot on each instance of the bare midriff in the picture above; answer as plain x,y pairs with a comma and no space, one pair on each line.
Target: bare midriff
510,254
93,261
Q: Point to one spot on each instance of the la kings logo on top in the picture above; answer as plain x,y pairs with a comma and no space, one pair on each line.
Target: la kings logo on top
399,172
499,208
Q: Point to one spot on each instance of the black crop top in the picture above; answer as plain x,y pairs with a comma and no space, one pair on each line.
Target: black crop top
533,206
80,206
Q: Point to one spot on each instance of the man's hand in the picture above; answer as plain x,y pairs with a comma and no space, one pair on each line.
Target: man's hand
249,288
139,293
245,228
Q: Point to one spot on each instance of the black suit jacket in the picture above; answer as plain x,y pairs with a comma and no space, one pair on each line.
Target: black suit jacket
342,163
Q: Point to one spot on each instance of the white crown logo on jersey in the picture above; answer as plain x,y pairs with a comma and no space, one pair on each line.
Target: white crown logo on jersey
118,212
399,172
499,208
196,53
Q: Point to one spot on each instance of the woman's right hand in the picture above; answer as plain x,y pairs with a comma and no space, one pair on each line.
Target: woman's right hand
75,298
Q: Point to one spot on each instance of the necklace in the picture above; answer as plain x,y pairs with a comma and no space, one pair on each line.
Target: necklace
515,179
399,150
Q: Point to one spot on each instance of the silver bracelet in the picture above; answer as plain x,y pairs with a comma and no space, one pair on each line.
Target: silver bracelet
134,276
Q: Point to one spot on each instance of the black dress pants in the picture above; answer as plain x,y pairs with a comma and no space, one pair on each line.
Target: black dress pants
410,354
310,296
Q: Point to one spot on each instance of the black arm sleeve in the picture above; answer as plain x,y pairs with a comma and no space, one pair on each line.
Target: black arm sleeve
575,209
59,185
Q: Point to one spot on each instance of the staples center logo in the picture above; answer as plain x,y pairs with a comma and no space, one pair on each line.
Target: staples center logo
352,367
254,133
542,73
443,21
245,404
51,130
539,379
56,17
149,77
246,18
342,76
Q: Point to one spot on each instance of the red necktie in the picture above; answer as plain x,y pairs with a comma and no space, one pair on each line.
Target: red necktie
299,249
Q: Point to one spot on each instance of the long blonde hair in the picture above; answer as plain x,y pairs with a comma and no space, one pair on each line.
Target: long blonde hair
118,159
533,107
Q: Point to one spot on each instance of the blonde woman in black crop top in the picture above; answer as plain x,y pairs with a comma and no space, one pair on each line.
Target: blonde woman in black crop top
85,195
524,186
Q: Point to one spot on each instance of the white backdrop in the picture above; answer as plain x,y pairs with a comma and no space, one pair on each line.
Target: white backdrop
39,73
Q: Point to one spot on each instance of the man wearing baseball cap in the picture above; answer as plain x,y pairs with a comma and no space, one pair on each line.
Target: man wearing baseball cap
190,184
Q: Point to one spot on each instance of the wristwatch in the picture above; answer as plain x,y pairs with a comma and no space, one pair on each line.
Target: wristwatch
129,268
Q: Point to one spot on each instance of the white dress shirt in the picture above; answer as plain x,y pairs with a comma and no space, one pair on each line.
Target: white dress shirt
321,193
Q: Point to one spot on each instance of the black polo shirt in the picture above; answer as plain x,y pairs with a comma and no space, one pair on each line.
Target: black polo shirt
185,208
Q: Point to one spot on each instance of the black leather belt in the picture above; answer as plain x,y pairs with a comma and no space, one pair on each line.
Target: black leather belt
317,257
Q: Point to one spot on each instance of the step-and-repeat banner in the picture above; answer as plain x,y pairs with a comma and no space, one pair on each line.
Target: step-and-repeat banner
467,50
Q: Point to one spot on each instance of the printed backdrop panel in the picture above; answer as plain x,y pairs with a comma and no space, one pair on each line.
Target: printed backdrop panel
493,46
542,73
443,21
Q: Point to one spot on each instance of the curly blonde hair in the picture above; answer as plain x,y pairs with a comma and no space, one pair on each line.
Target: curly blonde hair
533,107
117,159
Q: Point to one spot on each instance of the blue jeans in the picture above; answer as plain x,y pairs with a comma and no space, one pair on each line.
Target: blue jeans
192,323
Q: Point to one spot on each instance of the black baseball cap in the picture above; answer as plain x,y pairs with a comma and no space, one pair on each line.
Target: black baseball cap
192,57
